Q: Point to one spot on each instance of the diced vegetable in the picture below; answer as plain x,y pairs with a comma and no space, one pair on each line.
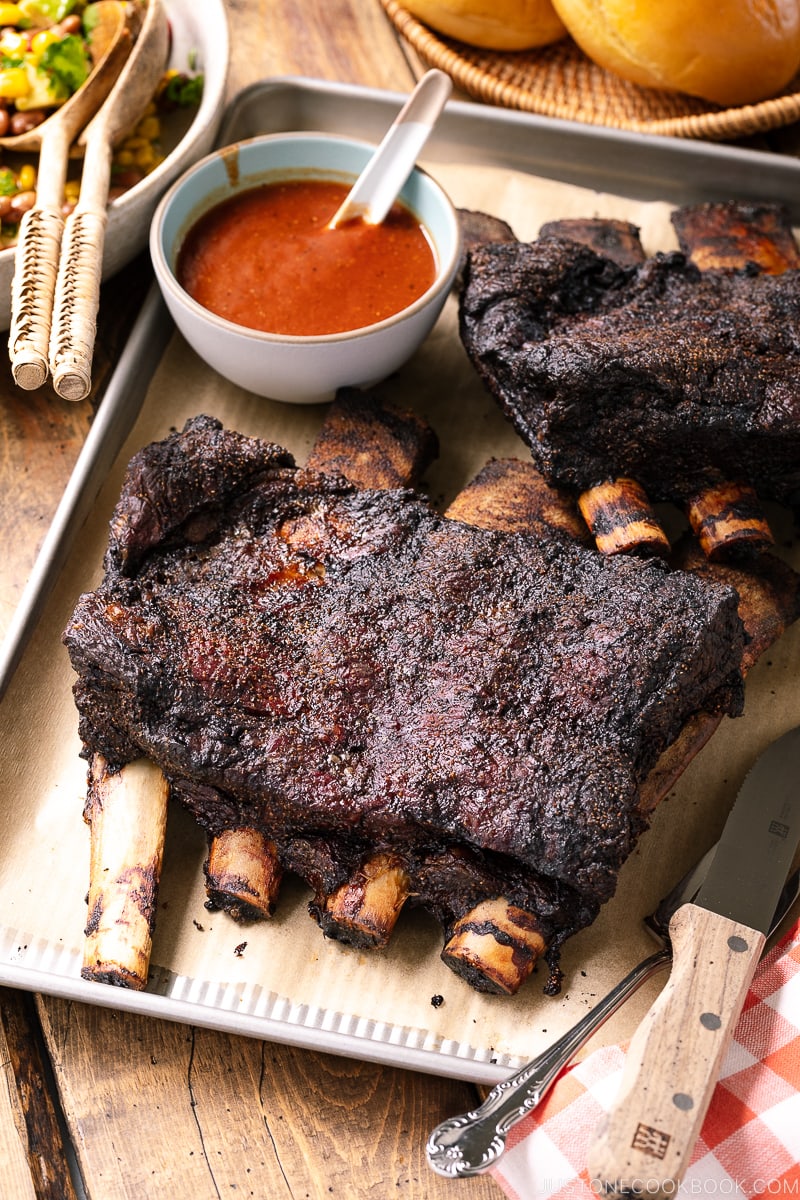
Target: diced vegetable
42,13
15,84
10,14
13,44
67,61
8,182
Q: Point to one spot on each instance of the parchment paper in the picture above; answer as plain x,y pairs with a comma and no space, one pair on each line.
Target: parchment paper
386,995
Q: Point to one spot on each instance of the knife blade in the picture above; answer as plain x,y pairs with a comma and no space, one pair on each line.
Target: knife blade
644,1144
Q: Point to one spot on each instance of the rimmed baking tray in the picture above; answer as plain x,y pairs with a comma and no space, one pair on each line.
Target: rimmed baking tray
281,980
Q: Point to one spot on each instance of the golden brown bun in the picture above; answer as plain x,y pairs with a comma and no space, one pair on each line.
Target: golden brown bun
731,52
491,24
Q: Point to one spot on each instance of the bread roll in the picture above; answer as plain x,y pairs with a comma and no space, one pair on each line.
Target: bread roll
491,24
731,52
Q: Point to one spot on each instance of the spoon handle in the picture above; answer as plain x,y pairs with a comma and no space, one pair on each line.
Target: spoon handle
379,184
471,1143
32,294
77,292
36,265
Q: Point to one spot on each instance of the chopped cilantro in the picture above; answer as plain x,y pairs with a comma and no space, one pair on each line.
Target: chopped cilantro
8,182
184,90
66,62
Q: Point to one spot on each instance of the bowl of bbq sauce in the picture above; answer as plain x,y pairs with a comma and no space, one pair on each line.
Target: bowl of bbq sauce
275,300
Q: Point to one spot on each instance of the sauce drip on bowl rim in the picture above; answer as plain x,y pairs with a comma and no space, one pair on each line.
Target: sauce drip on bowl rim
265,259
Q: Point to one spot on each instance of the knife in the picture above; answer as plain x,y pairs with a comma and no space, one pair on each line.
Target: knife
645,1142
471,1143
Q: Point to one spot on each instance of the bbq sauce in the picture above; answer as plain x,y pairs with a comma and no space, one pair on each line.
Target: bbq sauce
265,259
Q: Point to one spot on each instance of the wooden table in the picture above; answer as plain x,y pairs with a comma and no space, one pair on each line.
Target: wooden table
145,1107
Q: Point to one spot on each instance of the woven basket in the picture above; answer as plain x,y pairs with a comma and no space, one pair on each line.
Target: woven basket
560,81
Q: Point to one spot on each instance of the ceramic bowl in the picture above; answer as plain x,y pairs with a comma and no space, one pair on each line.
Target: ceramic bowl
298,370
199,42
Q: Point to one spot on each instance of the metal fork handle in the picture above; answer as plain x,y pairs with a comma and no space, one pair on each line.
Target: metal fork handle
469,1144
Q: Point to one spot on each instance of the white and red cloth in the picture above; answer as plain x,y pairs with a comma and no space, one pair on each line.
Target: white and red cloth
750,1142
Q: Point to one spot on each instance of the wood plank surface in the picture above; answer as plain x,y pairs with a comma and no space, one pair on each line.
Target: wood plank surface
31,1148
165,1109
346,40
41,436
155,1108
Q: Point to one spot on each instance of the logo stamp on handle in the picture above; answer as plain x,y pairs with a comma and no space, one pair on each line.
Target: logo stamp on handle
650,1141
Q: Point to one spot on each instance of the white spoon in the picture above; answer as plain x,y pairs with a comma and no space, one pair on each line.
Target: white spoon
382,180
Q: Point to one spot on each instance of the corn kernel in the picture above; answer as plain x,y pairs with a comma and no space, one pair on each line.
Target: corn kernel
14,83
10,14
26,180
133,143
123,158
40,41
149,128
145,157
72,191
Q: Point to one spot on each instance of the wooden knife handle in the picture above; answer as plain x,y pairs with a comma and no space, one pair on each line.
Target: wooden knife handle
646,1142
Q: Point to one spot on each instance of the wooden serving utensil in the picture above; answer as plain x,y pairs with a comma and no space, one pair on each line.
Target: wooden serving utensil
36,256
77,291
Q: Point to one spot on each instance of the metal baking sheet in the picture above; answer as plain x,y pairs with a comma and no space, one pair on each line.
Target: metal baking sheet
644,167
623,164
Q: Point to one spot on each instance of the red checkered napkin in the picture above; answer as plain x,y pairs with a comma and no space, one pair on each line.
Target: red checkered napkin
750,1141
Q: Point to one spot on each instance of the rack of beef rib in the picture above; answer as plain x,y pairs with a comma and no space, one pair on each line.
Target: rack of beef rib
473,712
638,380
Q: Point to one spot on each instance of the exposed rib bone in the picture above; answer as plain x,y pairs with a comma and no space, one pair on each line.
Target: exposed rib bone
730,235
510,495
127,816
243,874
363,912
728,518
617,240
495,946
769,594
622,519
373,444
478,229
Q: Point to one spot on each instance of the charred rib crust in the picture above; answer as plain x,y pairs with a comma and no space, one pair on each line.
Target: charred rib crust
663,373
350,672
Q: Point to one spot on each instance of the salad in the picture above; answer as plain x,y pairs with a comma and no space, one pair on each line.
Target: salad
45,56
